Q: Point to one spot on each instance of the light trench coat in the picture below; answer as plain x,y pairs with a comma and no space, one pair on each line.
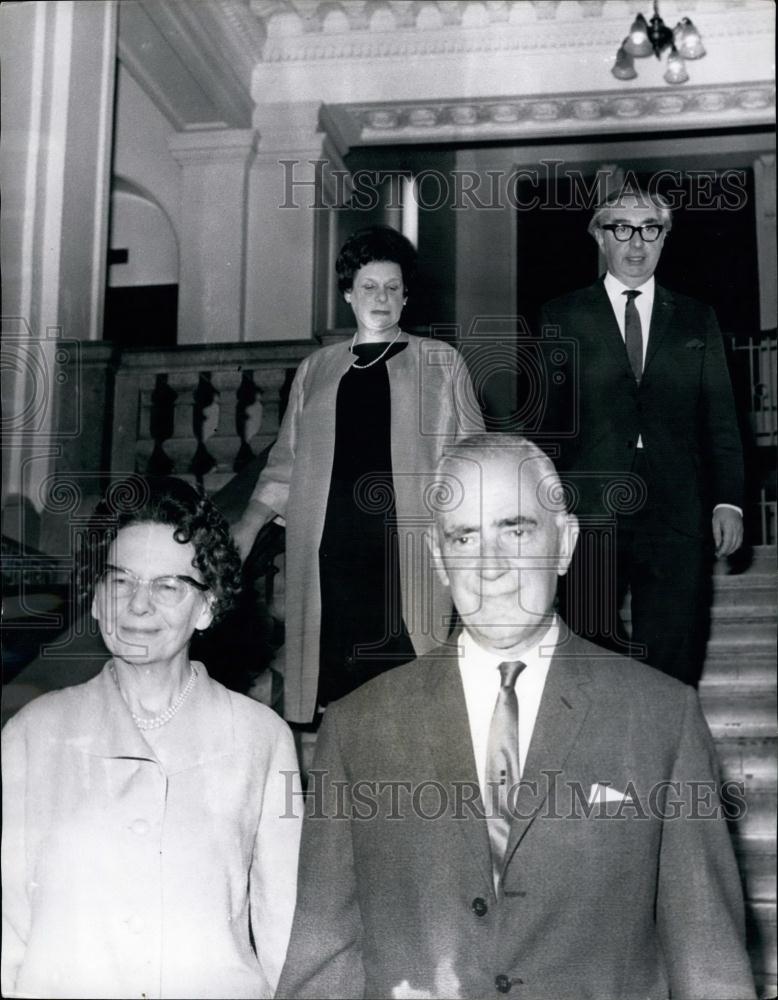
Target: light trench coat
433,404
129,872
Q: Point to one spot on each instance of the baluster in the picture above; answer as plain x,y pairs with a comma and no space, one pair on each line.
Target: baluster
181,446
161,425
248,418
222,444
205,420
269,382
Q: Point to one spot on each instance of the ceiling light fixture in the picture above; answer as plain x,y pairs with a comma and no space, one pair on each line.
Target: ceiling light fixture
684,42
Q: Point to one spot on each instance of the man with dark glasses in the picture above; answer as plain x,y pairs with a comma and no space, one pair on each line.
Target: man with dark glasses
644,431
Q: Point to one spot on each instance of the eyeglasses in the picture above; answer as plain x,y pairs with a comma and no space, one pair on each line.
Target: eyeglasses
167,591
623,232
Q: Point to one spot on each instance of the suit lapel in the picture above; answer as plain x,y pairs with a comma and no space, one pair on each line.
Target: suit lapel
563,708
661,314
606,327
447,733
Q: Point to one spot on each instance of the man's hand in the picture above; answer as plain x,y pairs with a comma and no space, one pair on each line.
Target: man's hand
244,531
727,531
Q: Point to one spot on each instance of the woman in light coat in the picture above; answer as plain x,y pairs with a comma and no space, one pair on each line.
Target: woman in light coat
351,474
150,815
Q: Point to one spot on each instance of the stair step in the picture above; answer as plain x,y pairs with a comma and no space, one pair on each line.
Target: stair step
757,870
758,634
757,822
745,562
753,761
741,669
740,713
754,601
761,937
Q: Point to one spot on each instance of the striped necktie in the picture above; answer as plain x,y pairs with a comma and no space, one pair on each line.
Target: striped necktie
502,763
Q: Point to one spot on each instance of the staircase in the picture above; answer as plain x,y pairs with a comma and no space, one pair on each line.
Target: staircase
738,694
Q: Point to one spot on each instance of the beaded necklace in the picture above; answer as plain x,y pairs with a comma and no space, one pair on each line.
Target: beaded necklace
375,360
156,721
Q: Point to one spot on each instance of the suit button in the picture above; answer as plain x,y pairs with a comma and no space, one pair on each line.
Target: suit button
503,984
479,907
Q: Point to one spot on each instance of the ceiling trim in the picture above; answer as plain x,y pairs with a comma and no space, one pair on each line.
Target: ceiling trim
515,118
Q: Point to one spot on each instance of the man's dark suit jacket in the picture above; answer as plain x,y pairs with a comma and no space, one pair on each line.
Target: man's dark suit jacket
396,896
683,408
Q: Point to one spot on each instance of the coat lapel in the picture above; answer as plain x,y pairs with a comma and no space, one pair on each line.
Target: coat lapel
563,708
662,312
447,733
606,328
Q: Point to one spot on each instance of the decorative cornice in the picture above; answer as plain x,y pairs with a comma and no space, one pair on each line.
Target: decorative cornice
313,30
514,117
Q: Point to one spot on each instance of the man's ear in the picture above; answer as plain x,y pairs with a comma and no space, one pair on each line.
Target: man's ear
93,608
347,296
569,531
600,239
434,546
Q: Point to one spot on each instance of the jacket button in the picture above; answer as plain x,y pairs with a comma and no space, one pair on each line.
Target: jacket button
503,983
479,907
140,826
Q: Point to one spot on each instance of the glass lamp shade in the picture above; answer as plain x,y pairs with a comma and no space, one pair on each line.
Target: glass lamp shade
676,68
624,67
687,40
637,43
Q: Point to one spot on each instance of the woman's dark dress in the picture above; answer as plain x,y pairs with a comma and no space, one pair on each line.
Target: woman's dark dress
362,631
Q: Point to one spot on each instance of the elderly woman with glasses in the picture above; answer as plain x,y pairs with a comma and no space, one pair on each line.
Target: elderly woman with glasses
150,824
350,473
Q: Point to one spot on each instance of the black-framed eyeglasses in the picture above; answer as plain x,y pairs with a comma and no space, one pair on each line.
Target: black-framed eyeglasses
167,591
623,232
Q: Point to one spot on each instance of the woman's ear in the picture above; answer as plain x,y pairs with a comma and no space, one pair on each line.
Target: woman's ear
205,618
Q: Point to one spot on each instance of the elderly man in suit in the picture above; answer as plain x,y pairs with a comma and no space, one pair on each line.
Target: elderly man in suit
517,811
646,437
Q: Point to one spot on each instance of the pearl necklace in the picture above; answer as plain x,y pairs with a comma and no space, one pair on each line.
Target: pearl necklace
375,361
156,721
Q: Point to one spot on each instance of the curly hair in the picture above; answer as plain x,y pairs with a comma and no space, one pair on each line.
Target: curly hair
169,501
375,243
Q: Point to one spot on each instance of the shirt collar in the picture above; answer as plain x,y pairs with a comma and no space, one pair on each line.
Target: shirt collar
615,288
537,658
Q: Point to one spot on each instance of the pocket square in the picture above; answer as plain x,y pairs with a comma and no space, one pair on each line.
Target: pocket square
604,793
696,344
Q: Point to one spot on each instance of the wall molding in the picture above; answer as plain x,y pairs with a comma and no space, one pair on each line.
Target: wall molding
504,118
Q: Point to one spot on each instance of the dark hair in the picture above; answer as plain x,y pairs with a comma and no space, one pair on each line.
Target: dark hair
165,500
375,243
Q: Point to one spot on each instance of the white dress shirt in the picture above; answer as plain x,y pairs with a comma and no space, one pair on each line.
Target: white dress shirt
480,674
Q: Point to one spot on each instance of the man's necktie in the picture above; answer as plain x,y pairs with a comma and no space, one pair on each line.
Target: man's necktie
633,334
502,763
